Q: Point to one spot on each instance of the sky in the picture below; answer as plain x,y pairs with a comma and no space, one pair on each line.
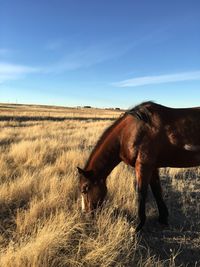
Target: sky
102,53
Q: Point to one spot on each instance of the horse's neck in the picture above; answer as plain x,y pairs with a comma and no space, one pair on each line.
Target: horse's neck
105,157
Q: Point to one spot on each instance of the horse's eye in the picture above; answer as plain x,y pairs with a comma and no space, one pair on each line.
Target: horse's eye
85,189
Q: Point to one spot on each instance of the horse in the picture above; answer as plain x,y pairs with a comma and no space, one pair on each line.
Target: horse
146,137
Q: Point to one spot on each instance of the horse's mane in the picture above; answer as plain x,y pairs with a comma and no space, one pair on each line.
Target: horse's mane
103,137
144,104
140,112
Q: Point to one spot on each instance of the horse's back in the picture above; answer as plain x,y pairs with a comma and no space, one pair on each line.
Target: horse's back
183,123
180,127
183,127
171,136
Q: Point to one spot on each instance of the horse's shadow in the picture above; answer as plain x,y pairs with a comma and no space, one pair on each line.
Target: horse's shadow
178,244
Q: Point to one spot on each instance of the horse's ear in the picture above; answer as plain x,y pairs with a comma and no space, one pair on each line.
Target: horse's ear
86,174
80,171
83,172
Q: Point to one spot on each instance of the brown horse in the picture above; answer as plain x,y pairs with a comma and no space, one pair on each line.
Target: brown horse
146,137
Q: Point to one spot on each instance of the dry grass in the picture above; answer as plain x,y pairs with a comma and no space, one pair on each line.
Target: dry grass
26,112
40,220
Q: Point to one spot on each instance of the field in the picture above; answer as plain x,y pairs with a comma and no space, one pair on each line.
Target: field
40,219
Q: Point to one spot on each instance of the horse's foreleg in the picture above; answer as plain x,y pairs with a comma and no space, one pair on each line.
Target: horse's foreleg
157,192
143,175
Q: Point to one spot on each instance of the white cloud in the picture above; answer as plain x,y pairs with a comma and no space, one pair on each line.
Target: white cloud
72,59
166,78
9,71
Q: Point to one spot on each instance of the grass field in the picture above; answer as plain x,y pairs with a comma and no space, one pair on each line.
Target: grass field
40,219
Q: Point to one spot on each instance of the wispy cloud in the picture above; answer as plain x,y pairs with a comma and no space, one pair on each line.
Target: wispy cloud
78,59
166,78
9,71
54,45
5,52
87,56
75,59
69,55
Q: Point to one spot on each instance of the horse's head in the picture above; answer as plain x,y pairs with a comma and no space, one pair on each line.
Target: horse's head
93,190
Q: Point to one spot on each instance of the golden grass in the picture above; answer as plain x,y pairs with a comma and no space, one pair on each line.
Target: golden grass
33,111
40,219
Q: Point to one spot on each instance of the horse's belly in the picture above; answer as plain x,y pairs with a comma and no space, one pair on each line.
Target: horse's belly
179,158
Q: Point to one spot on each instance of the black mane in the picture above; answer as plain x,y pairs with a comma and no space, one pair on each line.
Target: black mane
103,136
140,112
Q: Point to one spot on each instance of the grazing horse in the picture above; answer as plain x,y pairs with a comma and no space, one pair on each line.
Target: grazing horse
146,137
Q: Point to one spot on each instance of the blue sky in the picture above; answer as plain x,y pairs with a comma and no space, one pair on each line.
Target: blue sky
106,53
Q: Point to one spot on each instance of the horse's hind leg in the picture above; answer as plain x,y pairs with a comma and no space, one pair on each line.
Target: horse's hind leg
143,176
157,192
